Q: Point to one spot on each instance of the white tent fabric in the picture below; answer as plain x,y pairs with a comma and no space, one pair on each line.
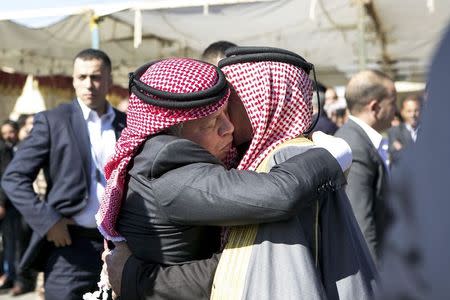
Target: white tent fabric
30,101
328,37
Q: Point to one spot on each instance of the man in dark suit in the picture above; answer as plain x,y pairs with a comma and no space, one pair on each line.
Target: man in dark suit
71,143
415,257
371,99
406,133
5,158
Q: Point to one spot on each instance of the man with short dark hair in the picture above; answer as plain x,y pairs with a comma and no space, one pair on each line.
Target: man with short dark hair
216,51
406,133
371,99
71,143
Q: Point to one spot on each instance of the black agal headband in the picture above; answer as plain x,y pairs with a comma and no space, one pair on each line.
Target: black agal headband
176,100
238,55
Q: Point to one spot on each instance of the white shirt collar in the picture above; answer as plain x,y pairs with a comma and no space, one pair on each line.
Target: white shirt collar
373,135
87,112
410,128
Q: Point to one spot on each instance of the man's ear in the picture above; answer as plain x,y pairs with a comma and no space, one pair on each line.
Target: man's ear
374,106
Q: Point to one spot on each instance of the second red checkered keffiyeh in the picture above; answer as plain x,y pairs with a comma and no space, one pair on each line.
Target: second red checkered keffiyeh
277,98
143,120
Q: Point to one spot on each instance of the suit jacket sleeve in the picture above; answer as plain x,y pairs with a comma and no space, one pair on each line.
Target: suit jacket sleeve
288,186
393,135
360,192
17,182
202,195
5,158
190,281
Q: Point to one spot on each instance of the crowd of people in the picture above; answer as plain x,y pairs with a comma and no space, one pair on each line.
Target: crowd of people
236,176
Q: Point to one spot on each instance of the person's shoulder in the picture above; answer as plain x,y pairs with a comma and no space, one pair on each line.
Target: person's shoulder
162,153
178,150
59,112
354,135
346,130
396,129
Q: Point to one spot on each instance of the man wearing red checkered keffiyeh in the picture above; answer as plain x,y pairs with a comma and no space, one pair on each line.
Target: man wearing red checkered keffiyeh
289,259
174,192
277,99
181,76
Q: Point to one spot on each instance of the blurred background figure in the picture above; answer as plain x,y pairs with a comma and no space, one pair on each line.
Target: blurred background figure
406,132
5,158
9,133
16,233
324,123
330,96
335,107
25,123
415,261
397,119
216,51
371,98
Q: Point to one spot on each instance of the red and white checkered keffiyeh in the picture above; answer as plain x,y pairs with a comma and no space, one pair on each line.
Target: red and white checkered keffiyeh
277,98
178,75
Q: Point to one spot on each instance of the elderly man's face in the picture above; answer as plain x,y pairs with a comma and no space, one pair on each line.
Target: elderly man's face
214,132
92,81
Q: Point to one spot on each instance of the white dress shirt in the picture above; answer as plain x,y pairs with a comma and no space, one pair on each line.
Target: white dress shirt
380,143
102,140
412,131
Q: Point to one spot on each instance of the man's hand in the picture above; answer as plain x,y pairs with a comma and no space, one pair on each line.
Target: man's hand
115,262
397,145
59,234
336,146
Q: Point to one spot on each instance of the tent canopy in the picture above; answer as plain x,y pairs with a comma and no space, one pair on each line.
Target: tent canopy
399,36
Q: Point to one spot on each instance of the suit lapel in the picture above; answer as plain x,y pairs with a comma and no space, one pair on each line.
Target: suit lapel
81,137
373,151
376,158
406,135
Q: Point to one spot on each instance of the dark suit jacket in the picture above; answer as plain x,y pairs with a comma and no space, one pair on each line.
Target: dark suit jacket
367,183
177,190
324,124
401,134
5,158
58,143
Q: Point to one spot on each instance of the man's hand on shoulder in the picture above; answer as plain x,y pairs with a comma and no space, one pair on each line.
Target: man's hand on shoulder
59,234
336,146
115,262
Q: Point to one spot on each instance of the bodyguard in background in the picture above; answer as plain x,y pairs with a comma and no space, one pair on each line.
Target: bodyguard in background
405,134
371,99
71,143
